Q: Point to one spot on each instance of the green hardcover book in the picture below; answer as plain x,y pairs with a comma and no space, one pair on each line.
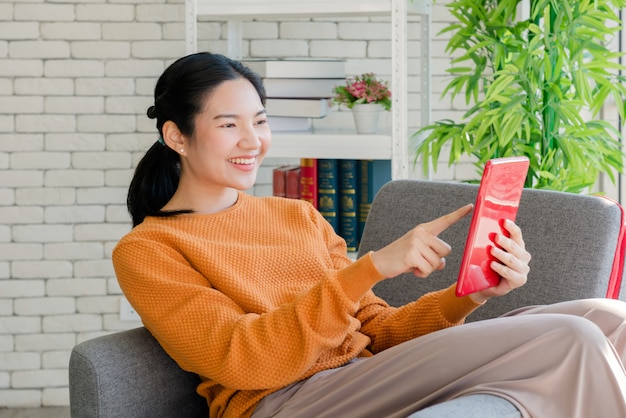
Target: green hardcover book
373,174
348,203
327,193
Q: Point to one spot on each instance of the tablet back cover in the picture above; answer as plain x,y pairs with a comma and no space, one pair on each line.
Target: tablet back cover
498,199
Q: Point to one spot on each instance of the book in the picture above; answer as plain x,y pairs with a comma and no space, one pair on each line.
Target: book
292,183
287,124
279,181
373,174
309,88
348,203
303,108
295,68
308,180
327,193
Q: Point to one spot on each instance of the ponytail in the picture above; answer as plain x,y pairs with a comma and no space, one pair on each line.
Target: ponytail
154,183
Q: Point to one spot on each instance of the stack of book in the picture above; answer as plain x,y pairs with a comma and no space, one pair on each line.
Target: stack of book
298,90
341,189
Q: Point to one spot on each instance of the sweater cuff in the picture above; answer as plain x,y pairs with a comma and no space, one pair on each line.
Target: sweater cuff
365,267
358,271
455,308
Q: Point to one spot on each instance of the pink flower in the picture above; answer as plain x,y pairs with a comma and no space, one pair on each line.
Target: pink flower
364,88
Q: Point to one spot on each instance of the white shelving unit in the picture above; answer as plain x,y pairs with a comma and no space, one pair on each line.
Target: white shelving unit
335,144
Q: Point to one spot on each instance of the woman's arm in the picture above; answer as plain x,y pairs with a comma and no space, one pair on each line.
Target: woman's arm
210,334
442,309
389,326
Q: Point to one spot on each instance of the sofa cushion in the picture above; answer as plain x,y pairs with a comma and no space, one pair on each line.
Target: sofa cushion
471,406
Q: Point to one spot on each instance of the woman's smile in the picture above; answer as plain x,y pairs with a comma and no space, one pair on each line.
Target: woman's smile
244,163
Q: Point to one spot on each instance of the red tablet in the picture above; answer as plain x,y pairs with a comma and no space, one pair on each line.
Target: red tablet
498,199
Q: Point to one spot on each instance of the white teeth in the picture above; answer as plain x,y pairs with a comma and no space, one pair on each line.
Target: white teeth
242,160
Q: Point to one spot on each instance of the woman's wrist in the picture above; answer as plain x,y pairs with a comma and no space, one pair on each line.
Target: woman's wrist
478,298
359,277
376,261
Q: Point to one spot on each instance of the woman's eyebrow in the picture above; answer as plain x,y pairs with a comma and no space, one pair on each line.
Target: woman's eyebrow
234,116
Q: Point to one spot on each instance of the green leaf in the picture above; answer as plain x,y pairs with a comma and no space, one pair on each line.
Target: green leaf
529,85
457,70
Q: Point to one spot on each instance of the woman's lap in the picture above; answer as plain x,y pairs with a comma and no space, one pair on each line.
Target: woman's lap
608,314
519,357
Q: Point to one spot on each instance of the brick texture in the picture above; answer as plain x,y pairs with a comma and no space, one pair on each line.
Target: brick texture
76,78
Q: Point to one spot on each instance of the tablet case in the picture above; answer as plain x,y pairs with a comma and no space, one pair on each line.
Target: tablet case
498,199
617,272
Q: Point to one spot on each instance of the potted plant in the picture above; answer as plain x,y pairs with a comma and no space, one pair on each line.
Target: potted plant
529,84
366,96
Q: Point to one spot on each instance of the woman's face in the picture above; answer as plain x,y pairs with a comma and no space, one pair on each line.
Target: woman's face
231,138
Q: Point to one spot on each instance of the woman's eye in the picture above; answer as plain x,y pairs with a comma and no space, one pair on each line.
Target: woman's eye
261,122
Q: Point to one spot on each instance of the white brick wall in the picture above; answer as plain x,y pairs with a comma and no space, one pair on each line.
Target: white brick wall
76,78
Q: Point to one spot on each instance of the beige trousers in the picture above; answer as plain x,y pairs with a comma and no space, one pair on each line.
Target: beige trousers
556,361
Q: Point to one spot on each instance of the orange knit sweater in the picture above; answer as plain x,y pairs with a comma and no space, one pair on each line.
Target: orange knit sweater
248,298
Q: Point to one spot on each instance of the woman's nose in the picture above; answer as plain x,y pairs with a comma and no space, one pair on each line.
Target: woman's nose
250,138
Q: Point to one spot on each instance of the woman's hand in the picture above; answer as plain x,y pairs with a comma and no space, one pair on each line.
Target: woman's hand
512,266
420,250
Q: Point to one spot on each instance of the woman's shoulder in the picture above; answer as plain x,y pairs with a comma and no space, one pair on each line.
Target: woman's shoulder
148,230
258,208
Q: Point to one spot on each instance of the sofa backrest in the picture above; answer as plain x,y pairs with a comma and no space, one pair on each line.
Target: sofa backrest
572,240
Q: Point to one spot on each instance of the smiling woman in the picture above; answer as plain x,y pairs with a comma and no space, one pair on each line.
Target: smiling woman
258,297
223,154
207,145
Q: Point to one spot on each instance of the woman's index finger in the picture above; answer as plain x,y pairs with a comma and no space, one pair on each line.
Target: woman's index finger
442,223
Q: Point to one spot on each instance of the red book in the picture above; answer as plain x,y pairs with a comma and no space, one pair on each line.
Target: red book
308,180
293,183
279,181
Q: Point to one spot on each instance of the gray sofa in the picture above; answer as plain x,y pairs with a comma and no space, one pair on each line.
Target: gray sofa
572,239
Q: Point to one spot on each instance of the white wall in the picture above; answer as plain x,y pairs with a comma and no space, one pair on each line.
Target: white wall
76,78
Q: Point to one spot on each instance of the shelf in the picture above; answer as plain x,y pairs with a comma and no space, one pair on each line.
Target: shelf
253,9
330,145
394,145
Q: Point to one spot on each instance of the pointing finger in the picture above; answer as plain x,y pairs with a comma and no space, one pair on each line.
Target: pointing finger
442,223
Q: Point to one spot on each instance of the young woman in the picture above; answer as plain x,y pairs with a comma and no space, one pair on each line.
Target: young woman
256,295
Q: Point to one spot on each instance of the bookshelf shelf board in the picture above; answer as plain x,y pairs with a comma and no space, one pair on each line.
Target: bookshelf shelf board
393,146
251,9
307,145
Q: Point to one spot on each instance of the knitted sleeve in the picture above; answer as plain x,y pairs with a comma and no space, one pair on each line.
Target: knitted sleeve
209,334
304,321
388,326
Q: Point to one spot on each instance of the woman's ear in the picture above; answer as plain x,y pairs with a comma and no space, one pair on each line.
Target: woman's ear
173,138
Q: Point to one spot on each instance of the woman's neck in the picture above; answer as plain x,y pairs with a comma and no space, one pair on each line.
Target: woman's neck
204,201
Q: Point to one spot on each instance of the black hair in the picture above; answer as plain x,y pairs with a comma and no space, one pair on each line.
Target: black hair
178,97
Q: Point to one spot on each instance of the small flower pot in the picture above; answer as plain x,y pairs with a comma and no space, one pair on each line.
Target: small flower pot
366,117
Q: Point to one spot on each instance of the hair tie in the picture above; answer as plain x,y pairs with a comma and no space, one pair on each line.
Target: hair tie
161,141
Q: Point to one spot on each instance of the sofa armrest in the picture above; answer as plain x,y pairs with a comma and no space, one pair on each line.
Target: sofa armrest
128,375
